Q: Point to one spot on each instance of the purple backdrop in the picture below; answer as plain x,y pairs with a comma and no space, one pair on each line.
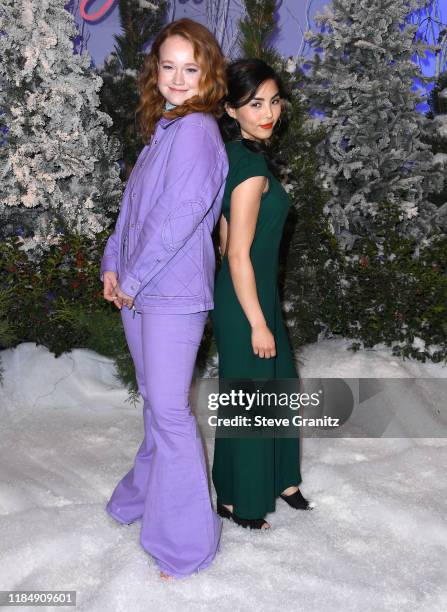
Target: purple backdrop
291,19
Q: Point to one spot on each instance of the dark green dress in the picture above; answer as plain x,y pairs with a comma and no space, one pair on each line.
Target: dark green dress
250,473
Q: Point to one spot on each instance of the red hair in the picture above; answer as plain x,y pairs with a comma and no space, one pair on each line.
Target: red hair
212,84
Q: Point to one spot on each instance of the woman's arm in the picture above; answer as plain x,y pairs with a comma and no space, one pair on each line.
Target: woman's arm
109,261
245,203
223,236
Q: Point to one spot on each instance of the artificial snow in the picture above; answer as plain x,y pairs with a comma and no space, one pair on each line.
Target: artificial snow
376,539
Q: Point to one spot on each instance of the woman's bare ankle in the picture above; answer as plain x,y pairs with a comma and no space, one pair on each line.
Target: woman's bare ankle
290,490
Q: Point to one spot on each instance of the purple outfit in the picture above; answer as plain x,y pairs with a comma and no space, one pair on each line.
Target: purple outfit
161,248
163,254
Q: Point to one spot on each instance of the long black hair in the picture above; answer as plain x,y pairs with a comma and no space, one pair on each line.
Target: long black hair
244,77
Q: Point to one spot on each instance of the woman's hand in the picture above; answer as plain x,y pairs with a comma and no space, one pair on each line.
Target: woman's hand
123,297
263,342
113,293
110,282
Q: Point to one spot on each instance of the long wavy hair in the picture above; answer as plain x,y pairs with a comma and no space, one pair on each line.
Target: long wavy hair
212,84
244,77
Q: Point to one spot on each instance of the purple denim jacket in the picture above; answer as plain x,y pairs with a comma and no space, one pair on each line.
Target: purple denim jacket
161,248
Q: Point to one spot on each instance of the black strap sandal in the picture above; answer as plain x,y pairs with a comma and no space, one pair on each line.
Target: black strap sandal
297,501
251,523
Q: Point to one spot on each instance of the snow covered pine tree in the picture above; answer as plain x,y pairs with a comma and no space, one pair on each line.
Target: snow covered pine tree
438,141
58,168
363,85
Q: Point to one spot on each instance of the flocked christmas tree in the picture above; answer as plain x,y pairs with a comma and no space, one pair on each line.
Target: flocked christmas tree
363,85
438,140
58,168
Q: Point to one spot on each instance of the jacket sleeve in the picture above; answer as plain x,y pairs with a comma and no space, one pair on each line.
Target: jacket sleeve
194,175
109,261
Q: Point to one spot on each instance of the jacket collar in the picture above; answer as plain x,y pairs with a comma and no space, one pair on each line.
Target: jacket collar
165,122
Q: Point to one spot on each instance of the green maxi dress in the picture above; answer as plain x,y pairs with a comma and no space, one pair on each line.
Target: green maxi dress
250,473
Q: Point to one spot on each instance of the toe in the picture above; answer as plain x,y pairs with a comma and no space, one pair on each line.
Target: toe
266,525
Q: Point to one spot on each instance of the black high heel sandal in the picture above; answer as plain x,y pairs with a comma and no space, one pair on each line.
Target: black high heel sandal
297,501
251,523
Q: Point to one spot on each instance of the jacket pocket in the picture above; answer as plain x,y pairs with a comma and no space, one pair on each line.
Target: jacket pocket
182,277
181,223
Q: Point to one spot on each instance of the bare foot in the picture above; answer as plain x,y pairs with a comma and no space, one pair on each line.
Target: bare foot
264,526
166,577
290,490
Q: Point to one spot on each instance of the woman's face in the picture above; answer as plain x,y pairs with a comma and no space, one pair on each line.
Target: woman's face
258,117
178,71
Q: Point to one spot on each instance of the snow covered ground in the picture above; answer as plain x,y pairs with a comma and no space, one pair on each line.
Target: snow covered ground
376,540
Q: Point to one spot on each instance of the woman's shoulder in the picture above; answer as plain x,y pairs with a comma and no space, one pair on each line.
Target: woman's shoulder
206,122
200,119
243,164
243,159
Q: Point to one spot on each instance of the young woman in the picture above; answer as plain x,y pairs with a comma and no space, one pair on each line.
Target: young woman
158,268
249,473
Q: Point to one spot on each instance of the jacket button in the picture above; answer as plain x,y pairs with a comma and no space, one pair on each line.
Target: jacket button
133,287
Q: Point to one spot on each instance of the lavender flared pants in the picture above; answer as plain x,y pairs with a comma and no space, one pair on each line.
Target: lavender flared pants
167,486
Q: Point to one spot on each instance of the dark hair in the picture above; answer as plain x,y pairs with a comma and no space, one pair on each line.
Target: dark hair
244,77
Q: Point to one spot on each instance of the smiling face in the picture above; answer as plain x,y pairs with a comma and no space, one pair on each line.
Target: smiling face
178,72
258,117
